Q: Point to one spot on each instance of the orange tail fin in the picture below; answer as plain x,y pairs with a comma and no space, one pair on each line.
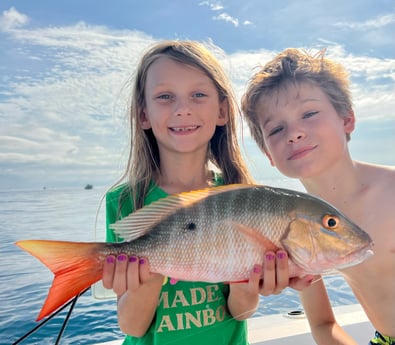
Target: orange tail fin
76,266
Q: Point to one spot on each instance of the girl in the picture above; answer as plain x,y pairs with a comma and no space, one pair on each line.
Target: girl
183,127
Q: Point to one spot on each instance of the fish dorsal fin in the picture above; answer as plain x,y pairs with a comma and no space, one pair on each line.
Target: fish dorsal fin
141,222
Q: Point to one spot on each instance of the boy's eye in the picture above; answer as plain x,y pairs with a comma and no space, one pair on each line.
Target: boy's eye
310,114
275,131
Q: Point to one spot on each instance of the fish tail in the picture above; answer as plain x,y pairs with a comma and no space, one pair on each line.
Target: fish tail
76,266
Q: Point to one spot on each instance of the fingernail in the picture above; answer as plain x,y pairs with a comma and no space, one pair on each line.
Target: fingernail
257,269
270,257
132,259
110,259
281,255
122,257
142,261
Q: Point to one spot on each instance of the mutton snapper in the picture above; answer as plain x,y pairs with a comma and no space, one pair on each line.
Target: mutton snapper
213,235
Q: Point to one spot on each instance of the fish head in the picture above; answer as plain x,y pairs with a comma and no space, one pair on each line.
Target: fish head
320,239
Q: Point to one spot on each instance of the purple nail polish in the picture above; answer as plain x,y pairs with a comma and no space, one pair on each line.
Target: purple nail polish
270,257
132,259
142,261
257,269
281,255
122,257
110,259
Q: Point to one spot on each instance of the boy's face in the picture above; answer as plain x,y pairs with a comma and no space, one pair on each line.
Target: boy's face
303,133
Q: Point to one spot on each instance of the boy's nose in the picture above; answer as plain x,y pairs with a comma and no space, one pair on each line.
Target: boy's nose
295,138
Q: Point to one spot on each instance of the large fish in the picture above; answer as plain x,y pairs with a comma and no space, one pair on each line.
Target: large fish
215,234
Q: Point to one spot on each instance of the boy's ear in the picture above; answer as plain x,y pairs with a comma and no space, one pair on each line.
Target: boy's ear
349,122
223,113
145,123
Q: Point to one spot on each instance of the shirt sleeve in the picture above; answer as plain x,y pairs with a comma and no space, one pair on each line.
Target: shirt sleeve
111,216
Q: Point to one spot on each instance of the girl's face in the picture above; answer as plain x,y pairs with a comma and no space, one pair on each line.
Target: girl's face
182,107
303,133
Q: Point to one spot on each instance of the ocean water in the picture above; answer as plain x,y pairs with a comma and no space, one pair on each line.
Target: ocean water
73,214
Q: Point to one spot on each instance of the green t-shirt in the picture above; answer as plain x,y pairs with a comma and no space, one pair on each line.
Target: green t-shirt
188,312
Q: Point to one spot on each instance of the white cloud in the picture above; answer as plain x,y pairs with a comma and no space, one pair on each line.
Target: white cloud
227,18
64,103
11,19
378,22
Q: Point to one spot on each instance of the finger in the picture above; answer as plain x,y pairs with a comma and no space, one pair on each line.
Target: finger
269,274
133,277
119,283
144,270
282,272
108,271
301,283
254,280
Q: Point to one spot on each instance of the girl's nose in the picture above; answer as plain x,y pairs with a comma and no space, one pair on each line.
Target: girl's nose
182,108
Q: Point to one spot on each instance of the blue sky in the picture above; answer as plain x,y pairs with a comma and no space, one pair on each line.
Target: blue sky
65,68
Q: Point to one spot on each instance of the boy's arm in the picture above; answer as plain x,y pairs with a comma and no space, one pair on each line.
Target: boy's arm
324,328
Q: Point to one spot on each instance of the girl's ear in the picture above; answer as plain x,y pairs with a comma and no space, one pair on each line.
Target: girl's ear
349,122
145,123
223,113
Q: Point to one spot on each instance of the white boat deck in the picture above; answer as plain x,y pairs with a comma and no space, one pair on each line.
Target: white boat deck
283,330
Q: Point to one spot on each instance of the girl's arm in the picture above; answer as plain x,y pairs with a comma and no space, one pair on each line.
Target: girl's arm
320,315
137,290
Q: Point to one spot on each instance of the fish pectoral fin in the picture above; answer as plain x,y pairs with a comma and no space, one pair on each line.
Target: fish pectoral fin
255,237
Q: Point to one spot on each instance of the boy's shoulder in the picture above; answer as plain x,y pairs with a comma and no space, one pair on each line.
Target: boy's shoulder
383,175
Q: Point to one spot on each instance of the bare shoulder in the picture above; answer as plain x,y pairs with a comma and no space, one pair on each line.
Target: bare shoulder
380,178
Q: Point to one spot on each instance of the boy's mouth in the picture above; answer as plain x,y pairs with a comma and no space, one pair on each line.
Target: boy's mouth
301,152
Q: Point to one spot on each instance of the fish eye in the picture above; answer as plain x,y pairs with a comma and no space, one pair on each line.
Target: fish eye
330,222
191,226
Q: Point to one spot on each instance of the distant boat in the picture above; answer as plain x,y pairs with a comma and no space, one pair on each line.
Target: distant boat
88,186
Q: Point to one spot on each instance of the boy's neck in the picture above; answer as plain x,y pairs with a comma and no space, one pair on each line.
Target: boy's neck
336,187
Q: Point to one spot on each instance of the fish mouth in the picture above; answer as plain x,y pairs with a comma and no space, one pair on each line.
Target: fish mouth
357,256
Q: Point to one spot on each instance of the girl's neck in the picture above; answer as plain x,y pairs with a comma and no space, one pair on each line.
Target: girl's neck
184,174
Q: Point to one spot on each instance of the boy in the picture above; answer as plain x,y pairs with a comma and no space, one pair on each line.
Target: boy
299,111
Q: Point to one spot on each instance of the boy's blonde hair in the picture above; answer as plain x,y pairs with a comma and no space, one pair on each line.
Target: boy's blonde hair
224,152
295,66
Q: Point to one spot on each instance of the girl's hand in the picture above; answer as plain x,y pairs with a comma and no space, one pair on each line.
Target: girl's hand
276,275
124,273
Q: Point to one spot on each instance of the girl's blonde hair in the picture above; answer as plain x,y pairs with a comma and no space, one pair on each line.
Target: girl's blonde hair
224,152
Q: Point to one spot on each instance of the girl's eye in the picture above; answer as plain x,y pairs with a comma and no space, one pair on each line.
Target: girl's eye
199,95
164,96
